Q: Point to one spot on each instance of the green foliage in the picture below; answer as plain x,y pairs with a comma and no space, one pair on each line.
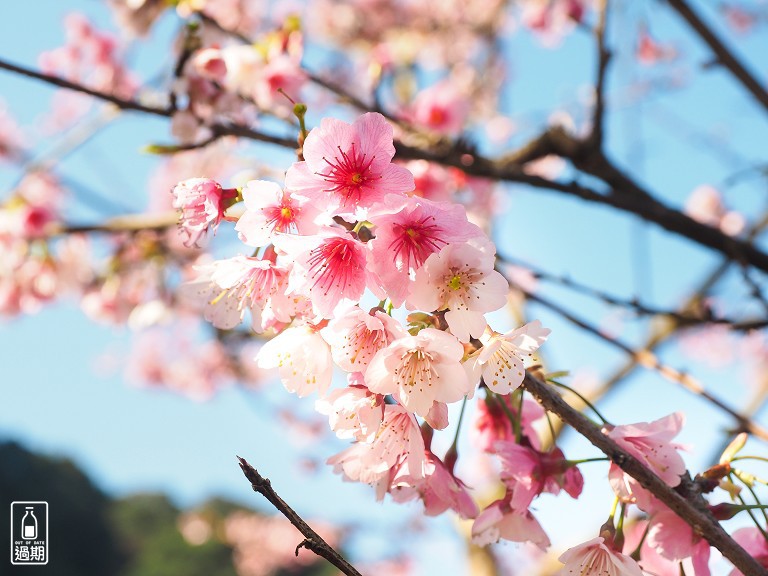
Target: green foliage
147,525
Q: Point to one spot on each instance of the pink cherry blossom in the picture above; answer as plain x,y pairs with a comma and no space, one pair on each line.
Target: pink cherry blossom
501,360
175,360
89,57
202,202
228,288
348,167
419,370
705,204
439,489
397,441
650,561
493,424
302,357
553,20
356,336
210,64
328,268
408,231
650,52
460,279
527,473
442,108
675,540
270,209
651,444
595,558
753,541
432,181
281,72
437,417
500,521
353,412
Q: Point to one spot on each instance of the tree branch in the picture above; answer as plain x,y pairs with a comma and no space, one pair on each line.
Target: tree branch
723,54
132,105
312,540
603,57
624,195
685,501
683,318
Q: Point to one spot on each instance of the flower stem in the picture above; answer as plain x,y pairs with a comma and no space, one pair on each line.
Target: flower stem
580,397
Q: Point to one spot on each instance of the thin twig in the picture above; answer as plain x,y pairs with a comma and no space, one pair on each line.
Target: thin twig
603,57
312,540
649,360
723,54
683,319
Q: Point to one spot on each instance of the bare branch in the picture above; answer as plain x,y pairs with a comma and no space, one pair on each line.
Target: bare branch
682,318
603,56
132,105
312,540
649,360
723,54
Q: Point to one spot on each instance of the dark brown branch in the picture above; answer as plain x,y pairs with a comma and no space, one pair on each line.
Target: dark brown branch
312,540
217,130
663,333
723,54
624,195
685,501
603,57
121,103
682,318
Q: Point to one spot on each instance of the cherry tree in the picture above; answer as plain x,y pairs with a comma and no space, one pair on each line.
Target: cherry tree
350,201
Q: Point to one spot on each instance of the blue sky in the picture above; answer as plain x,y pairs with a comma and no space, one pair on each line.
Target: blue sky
54,397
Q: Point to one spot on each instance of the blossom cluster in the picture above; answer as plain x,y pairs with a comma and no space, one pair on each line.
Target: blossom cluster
348,226
356,264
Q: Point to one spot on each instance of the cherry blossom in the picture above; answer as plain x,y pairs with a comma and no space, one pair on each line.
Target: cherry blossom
439,489
460,279
595,557
651,444
500,521
753,541
675,540
270,209
356,336
328,268
348,167
419,370
442,108
408,231
650,52
706,205
398,441
228,288
302,357
493,424
501,359
202,202
527,473
353,412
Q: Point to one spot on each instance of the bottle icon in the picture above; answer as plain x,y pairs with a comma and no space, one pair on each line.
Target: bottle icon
29,524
